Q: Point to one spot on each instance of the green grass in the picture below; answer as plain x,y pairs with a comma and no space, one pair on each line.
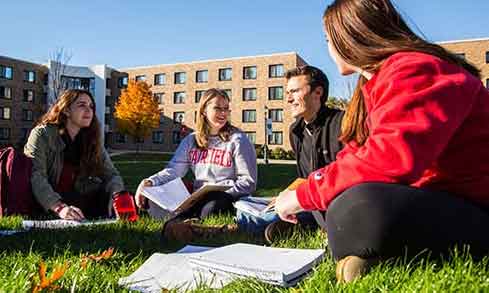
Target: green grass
20,254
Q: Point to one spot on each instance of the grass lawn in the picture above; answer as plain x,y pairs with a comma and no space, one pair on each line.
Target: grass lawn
20,254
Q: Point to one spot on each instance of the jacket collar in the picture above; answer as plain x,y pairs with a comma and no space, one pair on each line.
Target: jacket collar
299,124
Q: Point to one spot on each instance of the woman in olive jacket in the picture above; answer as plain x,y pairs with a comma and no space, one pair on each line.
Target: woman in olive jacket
72,174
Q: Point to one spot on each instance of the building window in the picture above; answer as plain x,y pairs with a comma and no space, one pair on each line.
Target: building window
198,95
487,57
201,76
4,133
179,97
249,94
251,136
178,117
122,82
120,138
276,93
229,93
82,83
5,92
225,74
195,116
159,97
176,137
275,138
140,77
162,118
276,70
160,79
249,72
180,77
460,55
30,76
6,72
249,116
28,96
27,115
5,113
107,109
24,133
157,136
276,115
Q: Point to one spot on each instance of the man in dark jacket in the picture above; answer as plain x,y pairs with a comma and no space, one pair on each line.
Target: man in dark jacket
314,134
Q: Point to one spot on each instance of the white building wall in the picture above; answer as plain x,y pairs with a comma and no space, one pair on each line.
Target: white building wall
99,73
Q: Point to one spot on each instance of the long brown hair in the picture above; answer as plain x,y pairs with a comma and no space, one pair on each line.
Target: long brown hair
90,138
203,130
365,33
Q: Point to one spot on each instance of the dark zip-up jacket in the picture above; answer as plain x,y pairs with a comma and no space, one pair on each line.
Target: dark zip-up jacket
325,139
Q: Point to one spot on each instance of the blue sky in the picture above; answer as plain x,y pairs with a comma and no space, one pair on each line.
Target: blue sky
131,33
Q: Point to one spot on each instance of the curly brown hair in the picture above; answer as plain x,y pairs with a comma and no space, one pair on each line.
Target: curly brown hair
90,137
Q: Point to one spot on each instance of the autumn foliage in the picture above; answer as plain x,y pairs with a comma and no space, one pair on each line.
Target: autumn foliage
136,110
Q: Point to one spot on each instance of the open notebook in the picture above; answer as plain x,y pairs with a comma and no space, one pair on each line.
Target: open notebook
174,196
279,266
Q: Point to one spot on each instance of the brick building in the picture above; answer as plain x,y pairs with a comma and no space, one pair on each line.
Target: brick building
22,98
476,51
255,84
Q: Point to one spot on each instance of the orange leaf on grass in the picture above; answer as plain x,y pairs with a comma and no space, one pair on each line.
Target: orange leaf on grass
106,254
48,282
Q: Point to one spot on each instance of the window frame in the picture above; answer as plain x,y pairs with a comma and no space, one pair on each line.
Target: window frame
221,76
245,77
247,89
178,80
274,75
243,116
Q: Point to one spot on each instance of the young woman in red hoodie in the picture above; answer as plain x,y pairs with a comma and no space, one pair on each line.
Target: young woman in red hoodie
414,173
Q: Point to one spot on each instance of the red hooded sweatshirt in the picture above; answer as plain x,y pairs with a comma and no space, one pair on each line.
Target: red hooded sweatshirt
428,124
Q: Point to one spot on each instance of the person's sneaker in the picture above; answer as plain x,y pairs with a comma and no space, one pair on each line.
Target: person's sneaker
189,230
353,267
277,230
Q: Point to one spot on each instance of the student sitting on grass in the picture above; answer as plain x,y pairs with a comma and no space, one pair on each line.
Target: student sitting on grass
215,152
314,137
72,174
415,169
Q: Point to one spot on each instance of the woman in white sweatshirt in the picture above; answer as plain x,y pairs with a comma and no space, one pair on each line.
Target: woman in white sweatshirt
215,152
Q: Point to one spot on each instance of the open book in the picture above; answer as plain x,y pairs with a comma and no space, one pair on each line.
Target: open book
256,206
279,266
174,196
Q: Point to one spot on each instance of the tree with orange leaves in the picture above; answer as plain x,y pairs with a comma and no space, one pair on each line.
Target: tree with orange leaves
137,111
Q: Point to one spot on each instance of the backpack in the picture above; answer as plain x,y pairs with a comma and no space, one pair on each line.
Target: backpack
16,196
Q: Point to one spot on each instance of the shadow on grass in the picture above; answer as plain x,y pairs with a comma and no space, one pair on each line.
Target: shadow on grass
141,238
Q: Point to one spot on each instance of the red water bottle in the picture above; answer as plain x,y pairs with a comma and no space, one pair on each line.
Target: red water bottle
124,207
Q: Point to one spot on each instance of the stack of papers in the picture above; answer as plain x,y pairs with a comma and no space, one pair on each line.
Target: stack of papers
172,271
215,267
256,206
61,224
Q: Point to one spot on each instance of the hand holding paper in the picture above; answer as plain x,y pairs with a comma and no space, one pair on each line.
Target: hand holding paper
292,186
139,197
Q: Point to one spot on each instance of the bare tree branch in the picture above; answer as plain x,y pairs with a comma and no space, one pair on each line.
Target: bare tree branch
60,59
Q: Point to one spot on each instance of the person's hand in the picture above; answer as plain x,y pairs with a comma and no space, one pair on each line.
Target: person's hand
71,213
141,201
287,206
